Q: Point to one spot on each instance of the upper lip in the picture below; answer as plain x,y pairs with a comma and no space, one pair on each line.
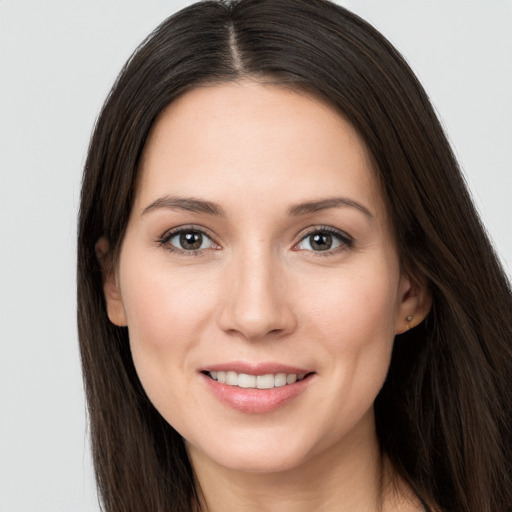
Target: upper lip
264,368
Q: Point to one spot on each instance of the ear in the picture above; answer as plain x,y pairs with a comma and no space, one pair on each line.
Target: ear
414,302
113,299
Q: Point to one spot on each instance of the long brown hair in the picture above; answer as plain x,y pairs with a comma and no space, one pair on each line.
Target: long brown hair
444,415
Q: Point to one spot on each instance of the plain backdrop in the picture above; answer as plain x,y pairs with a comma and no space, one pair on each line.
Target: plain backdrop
57,63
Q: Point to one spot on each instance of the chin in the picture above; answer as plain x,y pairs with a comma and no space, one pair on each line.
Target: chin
252,453
264,463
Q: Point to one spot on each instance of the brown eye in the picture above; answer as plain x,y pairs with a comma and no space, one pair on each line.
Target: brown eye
190,240
323,241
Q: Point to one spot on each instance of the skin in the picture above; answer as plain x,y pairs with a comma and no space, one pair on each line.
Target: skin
259,292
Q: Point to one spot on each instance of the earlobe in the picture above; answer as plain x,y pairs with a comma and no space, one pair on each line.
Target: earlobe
414,304
112,293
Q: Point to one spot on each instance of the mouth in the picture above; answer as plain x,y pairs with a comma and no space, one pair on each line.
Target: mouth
256,388
246,381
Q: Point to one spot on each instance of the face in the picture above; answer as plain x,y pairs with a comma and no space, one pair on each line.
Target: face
259,279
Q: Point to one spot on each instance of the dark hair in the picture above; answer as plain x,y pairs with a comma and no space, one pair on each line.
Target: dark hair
444,413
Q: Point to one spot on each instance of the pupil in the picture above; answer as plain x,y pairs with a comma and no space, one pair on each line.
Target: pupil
321,242
191,240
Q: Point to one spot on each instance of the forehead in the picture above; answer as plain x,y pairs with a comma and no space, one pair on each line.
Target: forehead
245,141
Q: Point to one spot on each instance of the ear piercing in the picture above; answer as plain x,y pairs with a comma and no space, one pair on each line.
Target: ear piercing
408,320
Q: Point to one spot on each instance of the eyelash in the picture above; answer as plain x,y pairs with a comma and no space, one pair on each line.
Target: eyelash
346,241
169,235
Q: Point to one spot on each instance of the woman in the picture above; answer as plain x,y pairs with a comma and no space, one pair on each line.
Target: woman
286,298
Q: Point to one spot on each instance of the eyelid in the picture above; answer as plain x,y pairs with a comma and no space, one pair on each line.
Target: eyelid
346,240
171,233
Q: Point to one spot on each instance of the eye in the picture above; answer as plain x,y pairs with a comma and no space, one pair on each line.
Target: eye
323,240
188,240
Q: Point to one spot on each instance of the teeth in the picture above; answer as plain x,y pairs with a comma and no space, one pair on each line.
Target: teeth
280,380
290,379
265,381
246,381
268,381
232,378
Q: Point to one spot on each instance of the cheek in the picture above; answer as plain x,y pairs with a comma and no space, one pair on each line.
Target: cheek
357,307
160,304
166,315
355,327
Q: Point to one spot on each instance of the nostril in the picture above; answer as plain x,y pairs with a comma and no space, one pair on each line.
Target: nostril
256,318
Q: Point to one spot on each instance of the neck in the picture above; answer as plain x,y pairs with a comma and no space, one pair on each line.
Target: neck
351,476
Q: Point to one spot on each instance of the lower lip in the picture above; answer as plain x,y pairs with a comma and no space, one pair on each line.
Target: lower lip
256,400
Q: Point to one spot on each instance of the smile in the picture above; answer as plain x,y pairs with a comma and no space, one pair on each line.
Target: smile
256,387
267,381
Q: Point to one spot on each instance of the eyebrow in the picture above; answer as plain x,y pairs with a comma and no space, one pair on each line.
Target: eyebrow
192,204
325,204
189,204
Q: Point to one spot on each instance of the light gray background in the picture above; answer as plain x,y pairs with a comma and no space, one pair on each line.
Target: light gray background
57,62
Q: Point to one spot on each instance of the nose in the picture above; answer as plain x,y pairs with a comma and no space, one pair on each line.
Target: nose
257,303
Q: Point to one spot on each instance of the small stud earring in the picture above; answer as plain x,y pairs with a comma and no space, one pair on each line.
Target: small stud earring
407,321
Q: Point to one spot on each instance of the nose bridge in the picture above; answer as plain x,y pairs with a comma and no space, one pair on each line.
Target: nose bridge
257,305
